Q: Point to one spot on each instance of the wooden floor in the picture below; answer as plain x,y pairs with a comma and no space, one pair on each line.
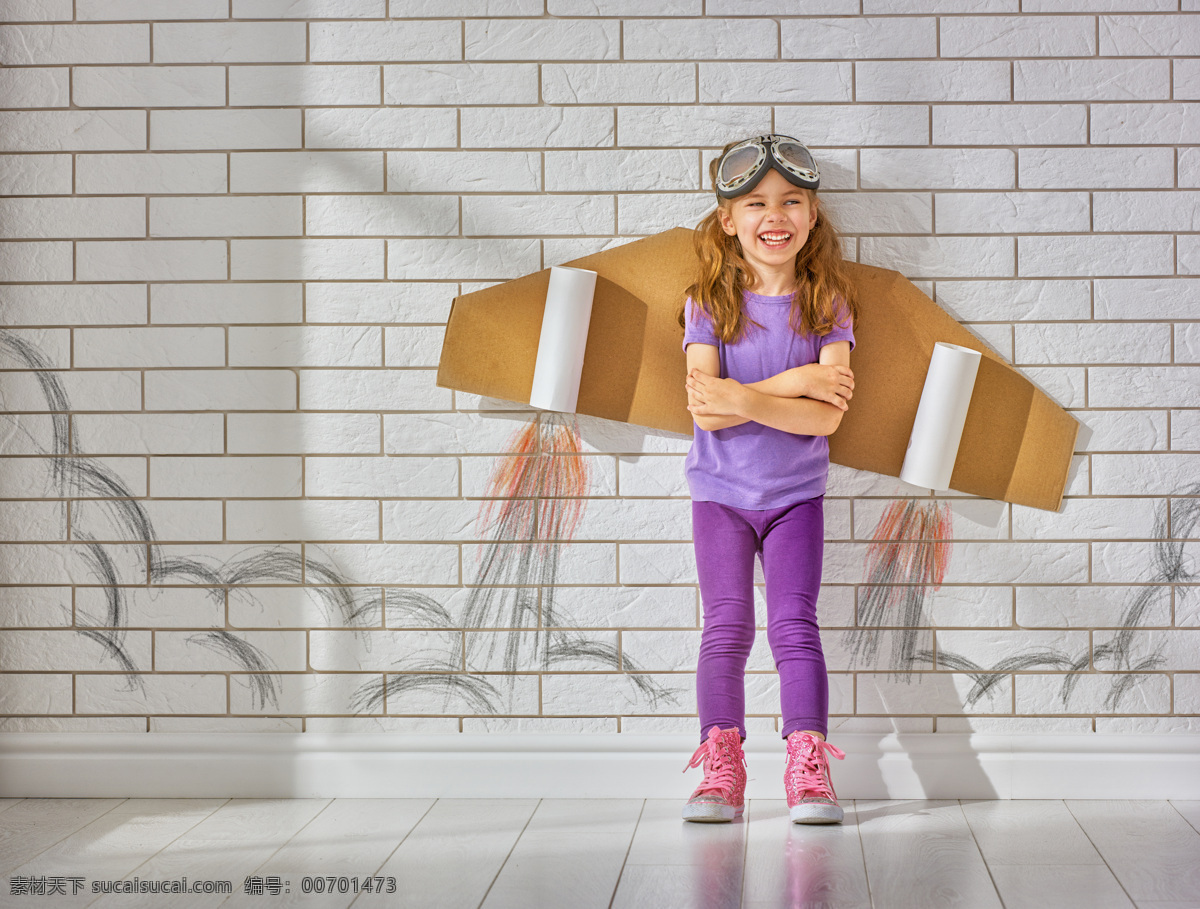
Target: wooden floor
577,854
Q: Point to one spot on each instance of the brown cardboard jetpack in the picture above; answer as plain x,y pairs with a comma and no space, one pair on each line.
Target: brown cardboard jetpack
1016,445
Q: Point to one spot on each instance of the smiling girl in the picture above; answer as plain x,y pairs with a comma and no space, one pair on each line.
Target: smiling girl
768,330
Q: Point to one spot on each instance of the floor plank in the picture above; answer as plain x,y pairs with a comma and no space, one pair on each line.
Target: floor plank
921,854
1152,850
814,866
351,838
1039,886
117,842
1029,832
228,845
676,864
450,859
570,854
34,825
1189,809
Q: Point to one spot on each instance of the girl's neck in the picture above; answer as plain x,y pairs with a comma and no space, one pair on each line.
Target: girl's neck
779,284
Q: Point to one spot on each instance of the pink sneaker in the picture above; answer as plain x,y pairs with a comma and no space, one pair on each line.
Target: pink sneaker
719,797
810,795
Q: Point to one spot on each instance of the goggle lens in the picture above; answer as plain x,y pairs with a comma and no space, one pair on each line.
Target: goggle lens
796,158
739,165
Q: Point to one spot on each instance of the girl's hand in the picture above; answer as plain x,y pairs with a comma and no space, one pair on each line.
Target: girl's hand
826,382
710,396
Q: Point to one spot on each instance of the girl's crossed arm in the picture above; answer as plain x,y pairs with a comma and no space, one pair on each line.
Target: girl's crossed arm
807,400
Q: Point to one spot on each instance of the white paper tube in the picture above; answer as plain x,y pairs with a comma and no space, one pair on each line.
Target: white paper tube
941,415
563,339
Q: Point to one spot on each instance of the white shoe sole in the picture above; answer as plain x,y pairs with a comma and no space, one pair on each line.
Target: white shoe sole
816,814
709,813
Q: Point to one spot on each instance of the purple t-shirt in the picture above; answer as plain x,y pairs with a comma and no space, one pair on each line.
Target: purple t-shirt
754,466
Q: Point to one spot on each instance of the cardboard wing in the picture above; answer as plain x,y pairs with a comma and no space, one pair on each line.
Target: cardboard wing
1016,445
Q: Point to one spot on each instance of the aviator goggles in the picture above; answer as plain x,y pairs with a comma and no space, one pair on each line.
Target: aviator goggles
743,166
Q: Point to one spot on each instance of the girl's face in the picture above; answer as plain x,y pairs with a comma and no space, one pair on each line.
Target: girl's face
772,222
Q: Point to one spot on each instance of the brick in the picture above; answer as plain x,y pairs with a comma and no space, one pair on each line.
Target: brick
1187,343
938,257
39,45
1133,298
301,694
618,83
36,10
779,8
393,563
657,563
937,168
943,80
970,519
966,606
781,83
1097,6
315,10
857,125
384,41
478,473
224,724
37,87
416,520
1187,692
381,302
1185,430
72,304
1091,80
1121,430
858,38
376,127
304,259
293,345
225,216
27,478
1147,211
90,391
35,693
35,175
514,39
454,84
68,650
35,607
46,348
192,130
192,651
1170,123
1095,255
597,435
293,85
1091,693
150,260
150,173
1018,36
1079,168
1140,563
623,8
489,651
307,519
944,693
221,389
419,345
1143,474
451,433
310,606
1010,124
224,477
1188,255
170,694
68,131
467,259
1144,386
29,521
1011,212
150,10
578,693
225,303
229,42
1086,519
1091,606
148,86
408,215
539,215
1065,344
371,390
624,607
1149,36
542,127
707,39
306,172
458,171
74,724
131,348
175,520
149,433
306,433
1186,85
710,126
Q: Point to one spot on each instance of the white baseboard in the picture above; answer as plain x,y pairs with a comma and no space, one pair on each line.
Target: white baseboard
384,765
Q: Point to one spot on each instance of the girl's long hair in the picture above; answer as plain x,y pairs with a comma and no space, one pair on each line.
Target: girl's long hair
824,292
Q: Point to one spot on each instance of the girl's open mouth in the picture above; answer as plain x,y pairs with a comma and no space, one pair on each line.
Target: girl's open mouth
775,239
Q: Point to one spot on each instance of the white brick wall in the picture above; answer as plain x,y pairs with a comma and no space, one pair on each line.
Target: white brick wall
233,232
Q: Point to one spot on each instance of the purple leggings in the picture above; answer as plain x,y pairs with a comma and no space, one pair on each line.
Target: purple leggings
791,540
